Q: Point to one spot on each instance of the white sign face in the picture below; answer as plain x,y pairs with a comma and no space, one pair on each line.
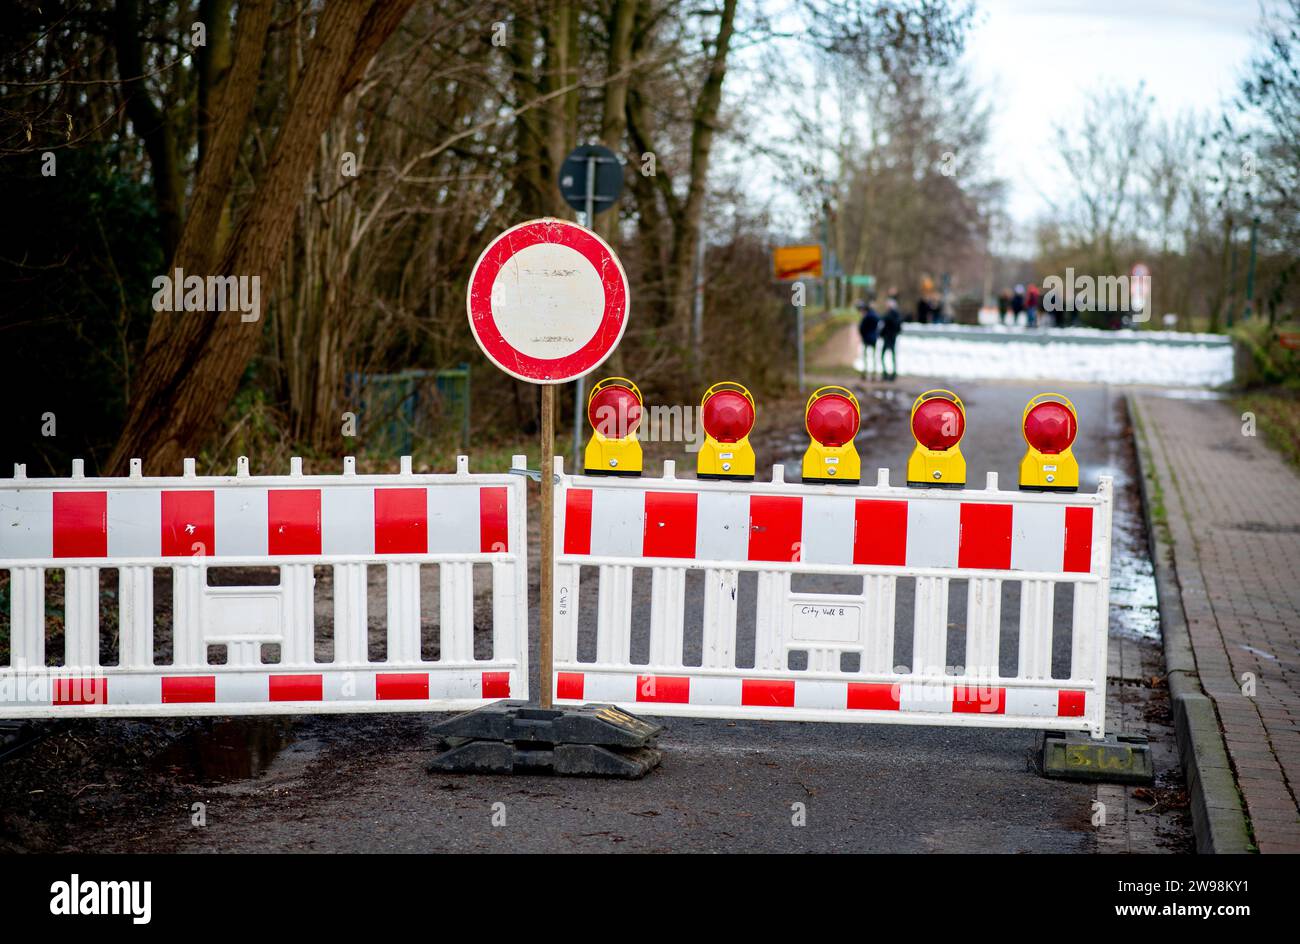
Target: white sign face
548,301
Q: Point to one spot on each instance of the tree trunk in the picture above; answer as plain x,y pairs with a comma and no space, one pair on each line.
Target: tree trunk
150,123
530,136
213,64
233,101
185,385
686,230
560,70
613,125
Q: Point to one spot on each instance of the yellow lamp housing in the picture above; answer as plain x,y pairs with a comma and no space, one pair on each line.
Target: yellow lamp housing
832,417
614,409
727,413
938,422
1049,425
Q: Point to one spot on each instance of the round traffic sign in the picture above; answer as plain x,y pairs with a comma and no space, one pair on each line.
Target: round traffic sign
594,167
547,301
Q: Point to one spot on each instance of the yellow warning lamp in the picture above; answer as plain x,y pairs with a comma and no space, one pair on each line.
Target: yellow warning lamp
1050,424
614,411
832,417
727,413
938,423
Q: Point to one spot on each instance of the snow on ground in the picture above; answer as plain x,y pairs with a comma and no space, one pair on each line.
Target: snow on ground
1125,361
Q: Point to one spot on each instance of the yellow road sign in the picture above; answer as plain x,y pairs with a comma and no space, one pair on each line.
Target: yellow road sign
797,262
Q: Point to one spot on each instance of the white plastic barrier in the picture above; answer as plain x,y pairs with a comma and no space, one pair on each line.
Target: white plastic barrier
60,534
878,535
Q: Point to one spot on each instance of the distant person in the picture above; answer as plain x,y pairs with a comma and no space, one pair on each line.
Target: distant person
890,328
936,309
1004,305
1032,299
1017,304
922,310
869,331
1054,309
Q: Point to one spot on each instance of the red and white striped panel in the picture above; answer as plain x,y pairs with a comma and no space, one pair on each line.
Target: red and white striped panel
818,695
253,521
828,529
337,686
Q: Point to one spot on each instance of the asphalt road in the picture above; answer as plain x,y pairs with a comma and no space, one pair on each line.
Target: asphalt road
359,783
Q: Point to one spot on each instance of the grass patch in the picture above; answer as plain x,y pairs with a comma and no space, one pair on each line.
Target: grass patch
820,327
1158,514
1277,419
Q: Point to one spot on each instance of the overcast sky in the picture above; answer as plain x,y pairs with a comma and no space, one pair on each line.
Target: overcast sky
1037,60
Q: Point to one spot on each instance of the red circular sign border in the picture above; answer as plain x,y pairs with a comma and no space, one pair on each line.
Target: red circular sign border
488,336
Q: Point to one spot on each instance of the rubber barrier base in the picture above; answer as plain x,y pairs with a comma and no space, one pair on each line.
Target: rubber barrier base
1113,759
512,737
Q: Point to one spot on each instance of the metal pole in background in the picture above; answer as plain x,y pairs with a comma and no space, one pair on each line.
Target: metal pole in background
697,311
545,656
1250,271
580,394
798,333
826,269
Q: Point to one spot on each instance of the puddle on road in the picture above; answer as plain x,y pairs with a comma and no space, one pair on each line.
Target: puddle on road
1135,613
893,397
1183,393
227,751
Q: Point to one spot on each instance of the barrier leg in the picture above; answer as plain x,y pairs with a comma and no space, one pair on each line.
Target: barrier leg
667,616
135,616
403,613
720,618
27,641
351,623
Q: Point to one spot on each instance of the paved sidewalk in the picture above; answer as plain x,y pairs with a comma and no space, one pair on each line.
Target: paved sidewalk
1232,508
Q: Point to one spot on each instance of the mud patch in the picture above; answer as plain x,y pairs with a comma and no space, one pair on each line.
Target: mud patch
225,751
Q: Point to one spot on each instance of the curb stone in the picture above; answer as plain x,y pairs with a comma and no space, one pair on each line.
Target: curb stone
1218,820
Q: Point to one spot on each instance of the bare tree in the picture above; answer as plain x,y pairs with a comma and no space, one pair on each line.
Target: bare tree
1101,153
194,361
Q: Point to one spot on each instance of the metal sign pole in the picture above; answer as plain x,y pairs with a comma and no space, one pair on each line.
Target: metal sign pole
545,655
510,326
798,330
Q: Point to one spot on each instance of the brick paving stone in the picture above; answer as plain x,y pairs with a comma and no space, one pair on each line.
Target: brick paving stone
1233,511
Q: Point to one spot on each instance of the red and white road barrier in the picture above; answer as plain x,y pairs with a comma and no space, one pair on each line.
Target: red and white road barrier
191,524
871,537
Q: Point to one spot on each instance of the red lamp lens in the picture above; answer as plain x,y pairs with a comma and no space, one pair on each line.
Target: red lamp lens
614,412
728,416
833,420
1050,428
938,423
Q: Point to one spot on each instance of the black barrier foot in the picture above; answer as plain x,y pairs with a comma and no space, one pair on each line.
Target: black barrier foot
1112,759
509,737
